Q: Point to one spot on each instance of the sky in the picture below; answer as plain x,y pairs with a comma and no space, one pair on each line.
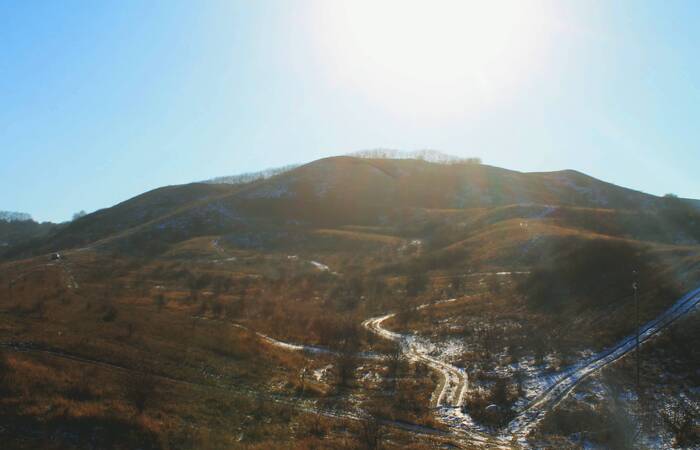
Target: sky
101,101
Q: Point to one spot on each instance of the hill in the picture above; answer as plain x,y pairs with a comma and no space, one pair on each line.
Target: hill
11,216
17,228
332,192
250,314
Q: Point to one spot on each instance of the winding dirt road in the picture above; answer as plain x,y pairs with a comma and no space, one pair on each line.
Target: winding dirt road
454,381
528,418
448,397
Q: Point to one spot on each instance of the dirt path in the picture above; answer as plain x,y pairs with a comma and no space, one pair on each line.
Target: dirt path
288,346
449,394
529,417
454,382
448,397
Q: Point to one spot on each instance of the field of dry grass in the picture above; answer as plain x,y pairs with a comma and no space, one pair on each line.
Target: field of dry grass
118,353
172,334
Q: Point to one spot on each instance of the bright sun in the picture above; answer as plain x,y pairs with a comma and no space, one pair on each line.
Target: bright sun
440,54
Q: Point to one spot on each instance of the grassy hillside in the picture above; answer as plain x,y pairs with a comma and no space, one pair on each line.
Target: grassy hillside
17,232
331,193
189,290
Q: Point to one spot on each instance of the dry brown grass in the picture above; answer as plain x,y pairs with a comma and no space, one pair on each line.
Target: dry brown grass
81,364
357,236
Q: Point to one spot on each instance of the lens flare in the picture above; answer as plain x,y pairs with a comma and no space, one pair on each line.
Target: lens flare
441,55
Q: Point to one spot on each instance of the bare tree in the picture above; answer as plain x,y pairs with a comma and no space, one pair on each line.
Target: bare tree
680,418
494,285
371,432
141,390
79,214
160,301
417,283
456,284
623,427
394,365
4,373
346,363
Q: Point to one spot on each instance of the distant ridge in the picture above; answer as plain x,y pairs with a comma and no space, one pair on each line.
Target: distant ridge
692,201
249,177
428,155
380,187
10,216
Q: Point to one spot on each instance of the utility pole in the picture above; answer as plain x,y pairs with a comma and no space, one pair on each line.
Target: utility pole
635,287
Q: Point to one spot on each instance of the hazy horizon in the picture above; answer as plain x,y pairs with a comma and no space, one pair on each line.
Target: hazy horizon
291,166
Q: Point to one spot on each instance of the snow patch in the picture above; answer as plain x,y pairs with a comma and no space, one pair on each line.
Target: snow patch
320,266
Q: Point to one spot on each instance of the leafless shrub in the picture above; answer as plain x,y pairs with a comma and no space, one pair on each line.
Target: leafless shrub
110,314
680,418
4,373
346,364
160,301
141,390
371,432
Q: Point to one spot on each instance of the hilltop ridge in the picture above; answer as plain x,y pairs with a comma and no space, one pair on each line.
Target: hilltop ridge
330,192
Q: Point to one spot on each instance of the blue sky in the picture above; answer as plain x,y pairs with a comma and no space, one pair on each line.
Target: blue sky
101,101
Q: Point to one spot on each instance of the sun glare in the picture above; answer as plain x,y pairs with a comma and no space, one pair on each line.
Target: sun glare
442,54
